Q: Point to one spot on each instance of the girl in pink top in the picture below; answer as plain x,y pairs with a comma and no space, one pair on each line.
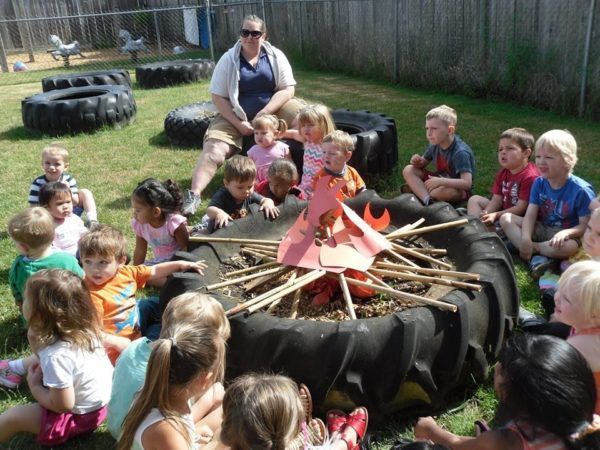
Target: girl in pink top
267,128
547,389
157,223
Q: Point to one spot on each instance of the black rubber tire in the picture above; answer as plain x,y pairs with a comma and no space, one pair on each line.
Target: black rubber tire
98,78
170,73
376,140
81,109
412,360
186,126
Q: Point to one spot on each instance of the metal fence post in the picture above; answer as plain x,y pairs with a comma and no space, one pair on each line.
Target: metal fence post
157,31
3,60
264,11
586,58
396,10
210,35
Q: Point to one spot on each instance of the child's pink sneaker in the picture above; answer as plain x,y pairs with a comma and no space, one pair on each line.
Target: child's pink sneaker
8,378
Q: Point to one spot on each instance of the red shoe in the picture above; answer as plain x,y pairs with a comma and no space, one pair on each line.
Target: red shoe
336,420
358,420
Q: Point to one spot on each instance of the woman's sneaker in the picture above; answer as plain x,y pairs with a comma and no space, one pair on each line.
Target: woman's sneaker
8,378
191,201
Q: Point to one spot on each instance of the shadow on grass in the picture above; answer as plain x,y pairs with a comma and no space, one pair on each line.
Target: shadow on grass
120,203
21,134
161,140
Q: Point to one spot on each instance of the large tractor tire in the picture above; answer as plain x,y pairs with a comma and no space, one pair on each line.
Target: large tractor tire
186,126
412,360
170,73
81,109
375,137
98,78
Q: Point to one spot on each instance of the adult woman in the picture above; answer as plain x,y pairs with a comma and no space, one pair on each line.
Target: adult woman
251,79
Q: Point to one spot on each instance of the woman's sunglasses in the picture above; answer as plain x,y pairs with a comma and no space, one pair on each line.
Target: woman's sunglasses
255,34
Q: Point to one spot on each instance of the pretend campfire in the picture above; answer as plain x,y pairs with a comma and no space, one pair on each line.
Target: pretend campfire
439,297
329,249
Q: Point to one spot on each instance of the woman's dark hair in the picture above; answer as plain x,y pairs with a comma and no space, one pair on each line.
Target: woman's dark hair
52,189
167,196
548,383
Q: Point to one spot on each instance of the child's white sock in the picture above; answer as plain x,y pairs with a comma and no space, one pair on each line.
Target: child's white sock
16,366
91,216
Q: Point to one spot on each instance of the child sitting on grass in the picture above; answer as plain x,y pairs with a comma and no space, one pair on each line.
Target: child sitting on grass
112,285
577,304
558,210
454,162
183,366
267,150
55,162
32,231
69,376
233,200
56,197
282,176
337,151
512,185
547,389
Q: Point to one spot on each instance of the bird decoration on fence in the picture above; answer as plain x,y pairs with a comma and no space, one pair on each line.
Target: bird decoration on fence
131,45
64,50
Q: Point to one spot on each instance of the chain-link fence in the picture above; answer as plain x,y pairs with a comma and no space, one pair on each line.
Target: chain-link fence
32,47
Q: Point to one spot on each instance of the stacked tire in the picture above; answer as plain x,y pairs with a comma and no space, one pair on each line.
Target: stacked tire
80,102
186,126
411,360
170,73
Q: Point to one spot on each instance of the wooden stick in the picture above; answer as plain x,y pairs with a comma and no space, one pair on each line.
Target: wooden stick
272,254
375,279
259,254
427,279
410,226
347,296
277,302
253,284
420,256
214,286
398,234
295,302
288,290
405,295
250,269
268,248
431,251
264,295
211,239
450,273
400,257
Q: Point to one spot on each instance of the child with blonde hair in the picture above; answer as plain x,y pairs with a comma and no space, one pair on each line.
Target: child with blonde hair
314,122
267,129
512,185
70,376
454,162
184,364
282,176
558,210
56,197
262,411
191,308
55,162
591,237
577,305
32,231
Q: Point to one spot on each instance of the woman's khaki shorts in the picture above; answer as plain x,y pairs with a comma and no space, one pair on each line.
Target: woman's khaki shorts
222,130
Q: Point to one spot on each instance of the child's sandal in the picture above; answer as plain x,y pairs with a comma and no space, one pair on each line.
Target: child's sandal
336,420
306,400
358,420
317,432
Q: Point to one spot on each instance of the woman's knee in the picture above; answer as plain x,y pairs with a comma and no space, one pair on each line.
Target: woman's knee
215,151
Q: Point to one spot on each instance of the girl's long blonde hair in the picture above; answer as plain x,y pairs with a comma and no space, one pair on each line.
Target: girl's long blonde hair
261,412
319,116
58,307
177,362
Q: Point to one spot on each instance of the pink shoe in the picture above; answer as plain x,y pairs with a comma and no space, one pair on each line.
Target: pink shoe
8,378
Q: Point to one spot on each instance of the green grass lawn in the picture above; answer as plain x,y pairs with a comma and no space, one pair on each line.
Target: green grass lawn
112,162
